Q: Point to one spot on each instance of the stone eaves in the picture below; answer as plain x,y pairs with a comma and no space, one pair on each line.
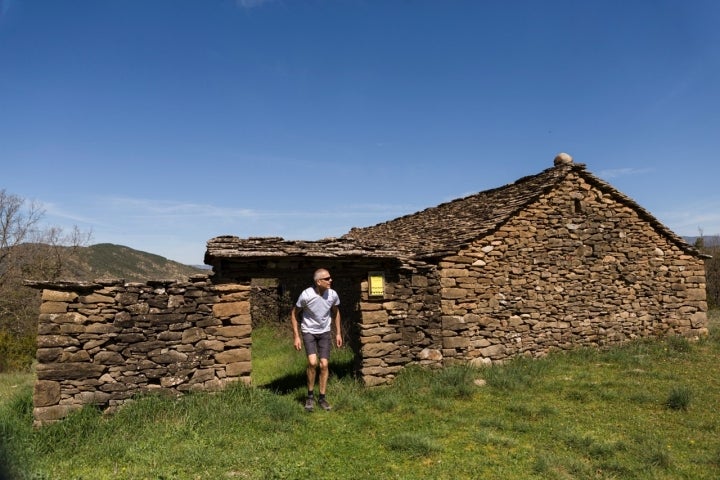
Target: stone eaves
229,246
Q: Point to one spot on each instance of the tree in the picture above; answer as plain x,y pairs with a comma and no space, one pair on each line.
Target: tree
712,273
711,247
28,250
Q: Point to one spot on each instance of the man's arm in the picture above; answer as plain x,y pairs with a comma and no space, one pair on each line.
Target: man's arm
338,331
296,333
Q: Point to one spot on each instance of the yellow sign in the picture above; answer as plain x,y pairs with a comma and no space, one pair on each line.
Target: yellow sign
376,284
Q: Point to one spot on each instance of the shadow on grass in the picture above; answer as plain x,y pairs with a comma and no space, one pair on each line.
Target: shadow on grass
293,381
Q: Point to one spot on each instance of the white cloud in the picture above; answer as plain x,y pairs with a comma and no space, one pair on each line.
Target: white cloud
141,207
55,211
179,230
689,219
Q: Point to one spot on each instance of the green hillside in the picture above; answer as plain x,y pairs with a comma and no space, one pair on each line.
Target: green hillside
106,260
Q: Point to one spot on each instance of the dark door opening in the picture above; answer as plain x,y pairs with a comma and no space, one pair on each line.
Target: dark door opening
276,365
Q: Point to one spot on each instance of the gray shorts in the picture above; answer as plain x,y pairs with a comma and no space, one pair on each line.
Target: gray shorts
317,343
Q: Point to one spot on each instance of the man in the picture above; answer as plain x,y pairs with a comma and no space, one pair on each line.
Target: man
317,308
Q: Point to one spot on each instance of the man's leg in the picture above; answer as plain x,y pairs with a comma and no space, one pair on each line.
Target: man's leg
324,353
311,372
312,364
324,374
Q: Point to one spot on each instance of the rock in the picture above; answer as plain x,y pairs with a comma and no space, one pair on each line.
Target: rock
46,393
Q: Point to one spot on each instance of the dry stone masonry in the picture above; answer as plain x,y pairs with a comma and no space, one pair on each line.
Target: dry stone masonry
552,261
104,343
402,327
579,268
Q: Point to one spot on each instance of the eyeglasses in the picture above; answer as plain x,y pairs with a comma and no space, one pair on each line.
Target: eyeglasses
327,279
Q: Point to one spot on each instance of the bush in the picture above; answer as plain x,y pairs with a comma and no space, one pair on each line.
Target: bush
16,352
712,273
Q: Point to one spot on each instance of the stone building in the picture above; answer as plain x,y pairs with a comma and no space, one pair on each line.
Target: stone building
552,261
556,260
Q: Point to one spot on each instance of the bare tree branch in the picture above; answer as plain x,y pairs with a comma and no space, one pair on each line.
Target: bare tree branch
29,250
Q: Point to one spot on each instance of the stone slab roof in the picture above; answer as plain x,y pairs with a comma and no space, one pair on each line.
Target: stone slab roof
446,228
449,226
435,231
229,246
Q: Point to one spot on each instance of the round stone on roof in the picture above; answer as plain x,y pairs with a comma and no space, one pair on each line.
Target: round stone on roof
563,159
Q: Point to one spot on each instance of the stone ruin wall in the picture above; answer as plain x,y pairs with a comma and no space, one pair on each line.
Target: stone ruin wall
577,268
401,328
106,342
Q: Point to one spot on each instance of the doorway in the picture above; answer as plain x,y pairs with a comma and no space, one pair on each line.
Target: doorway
276,365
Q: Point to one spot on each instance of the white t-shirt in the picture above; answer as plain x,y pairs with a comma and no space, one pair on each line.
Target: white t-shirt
316,310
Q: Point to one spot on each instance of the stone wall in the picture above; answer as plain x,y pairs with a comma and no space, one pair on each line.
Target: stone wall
103,343
402,327
577,268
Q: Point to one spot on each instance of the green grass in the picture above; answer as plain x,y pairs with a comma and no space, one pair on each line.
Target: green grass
278,367
14,383
582,415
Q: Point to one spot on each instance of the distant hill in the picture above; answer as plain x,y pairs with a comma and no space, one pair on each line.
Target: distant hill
707,241
106,260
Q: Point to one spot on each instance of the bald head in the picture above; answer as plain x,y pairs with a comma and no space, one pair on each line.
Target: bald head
322,280
320,273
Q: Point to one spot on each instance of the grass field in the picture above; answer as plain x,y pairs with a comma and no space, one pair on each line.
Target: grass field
649,410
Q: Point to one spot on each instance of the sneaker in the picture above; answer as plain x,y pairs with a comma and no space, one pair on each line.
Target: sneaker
324,404
309,404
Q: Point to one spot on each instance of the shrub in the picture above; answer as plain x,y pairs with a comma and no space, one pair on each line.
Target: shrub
16,352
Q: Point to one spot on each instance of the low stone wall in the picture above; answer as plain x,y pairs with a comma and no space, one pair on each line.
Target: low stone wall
103,343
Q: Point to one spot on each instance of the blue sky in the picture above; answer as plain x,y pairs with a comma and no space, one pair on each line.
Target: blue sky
161,124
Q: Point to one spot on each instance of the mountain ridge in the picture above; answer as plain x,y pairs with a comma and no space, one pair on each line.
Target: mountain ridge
108,260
